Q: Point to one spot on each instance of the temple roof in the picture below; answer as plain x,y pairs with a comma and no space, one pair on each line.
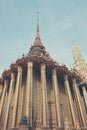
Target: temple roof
38,55
38,50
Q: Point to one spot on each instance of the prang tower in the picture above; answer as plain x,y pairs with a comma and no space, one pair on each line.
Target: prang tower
81,67
79,61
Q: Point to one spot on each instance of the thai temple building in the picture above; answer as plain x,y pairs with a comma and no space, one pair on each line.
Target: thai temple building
37,93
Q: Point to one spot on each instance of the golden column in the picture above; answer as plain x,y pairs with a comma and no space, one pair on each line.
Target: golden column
66,124
3,95
29,85
57,97
18,84
44,91
85,94
66,82
9,99
1,89
79,100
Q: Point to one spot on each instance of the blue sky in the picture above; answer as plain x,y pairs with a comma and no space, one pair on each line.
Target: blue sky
61,22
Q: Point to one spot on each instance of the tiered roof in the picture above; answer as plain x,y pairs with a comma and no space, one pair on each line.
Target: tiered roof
38,55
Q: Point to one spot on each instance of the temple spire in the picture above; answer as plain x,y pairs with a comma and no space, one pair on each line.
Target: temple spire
37,41
37,21
37,29
79,61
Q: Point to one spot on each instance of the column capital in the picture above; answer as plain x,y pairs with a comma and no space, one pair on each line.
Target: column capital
30,64
5,82
43,66
20,69
12,75
74,80
65,77
54,71
83,87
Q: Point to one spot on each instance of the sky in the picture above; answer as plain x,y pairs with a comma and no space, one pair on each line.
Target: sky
61,23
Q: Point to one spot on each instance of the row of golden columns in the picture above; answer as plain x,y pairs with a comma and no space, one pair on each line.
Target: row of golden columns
28,106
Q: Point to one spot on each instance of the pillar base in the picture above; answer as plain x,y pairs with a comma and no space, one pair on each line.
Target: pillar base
24,127
60,128
45,128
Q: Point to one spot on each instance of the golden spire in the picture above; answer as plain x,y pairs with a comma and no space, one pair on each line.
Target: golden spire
37,29
78,58
37,21
37,41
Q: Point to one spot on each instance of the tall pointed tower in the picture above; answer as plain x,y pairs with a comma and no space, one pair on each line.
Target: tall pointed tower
79,61
81,67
